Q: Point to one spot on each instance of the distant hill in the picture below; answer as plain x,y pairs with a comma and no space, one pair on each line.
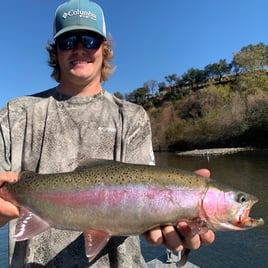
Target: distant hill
223,105
224,114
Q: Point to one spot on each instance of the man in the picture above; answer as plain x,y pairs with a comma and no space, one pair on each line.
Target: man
54,130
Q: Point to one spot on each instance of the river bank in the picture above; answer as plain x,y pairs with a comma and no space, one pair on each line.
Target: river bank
214,151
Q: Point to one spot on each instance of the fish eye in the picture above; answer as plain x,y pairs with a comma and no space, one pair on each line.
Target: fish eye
241,198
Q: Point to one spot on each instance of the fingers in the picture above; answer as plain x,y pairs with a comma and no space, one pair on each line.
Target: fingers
154,236
11,211
190,241
203,172
8,211
8,176
207,238
172,239
178,239
166,235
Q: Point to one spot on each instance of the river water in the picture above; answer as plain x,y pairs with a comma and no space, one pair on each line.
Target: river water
246,171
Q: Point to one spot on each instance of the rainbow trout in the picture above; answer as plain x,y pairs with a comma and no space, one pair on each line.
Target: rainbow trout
107,198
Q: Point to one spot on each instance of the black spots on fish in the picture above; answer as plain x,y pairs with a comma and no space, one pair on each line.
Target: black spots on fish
57,180
190,182
121,180
92,177
118,174
169,176
195,180
187,179
241,197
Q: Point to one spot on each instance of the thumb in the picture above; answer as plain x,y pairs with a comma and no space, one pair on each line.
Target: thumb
9,176
203,172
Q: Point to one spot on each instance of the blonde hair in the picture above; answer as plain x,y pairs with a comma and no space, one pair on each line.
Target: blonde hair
107,67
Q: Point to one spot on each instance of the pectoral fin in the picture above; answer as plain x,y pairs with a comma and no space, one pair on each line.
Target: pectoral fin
29,225
95,241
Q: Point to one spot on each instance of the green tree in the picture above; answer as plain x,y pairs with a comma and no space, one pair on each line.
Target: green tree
119,95
193,77
138,95
172,79
162,86
251,58
218,69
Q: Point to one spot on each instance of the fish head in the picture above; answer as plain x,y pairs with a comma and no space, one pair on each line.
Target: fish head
228,209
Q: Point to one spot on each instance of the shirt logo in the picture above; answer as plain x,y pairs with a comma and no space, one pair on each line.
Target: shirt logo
107,129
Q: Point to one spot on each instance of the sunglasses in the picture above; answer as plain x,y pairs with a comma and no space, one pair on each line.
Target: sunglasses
71,41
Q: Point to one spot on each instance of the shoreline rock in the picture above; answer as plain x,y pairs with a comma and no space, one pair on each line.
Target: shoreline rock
215,151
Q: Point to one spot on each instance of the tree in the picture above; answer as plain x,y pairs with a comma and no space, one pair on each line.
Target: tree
162,86
193,77
138,95
172,79
151,85
251,58
118,95
218,69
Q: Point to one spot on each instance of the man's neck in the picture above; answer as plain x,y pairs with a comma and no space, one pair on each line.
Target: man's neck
79,90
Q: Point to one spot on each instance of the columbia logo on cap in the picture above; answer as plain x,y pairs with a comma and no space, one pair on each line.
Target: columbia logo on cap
80,13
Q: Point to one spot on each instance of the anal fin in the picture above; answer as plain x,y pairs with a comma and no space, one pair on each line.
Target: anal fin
95,241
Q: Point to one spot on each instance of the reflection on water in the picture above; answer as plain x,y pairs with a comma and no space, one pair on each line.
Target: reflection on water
246,171
3,247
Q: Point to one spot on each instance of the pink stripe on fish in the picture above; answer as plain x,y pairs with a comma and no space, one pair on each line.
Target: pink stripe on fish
126,196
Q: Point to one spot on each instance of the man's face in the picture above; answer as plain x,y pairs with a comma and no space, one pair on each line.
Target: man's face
80,57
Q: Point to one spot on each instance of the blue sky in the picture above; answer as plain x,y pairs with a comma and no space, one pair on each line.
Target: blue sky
151,39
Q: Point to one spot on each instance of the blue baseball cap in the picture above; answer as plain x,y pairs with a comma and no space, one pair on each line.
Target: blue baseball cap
79,15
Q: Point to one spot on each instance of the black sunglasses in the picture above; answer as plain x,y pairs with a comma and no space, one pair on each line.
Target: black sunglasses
69,42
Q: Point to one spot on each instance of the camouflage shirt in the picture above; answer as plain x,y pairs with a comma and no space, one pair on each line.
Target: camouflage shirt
49,132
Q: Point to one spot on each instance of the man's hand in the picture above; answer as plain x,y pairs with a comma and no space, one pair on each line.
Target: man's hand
180,237
7,210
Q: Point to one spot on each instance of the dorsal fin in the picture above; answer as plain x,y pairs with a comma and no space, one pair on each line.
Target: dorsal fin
92,162
27,174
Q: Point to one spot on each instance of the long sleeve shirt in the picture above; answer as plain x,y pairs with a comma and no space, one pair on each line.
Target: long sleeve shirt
51,133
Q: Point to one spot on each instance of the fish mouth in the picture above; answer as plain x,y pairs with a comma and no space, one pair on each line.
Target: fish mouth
245,221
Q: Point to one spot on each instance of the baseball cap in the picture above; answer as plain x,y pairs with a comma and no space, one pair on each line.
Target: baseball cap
79,15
